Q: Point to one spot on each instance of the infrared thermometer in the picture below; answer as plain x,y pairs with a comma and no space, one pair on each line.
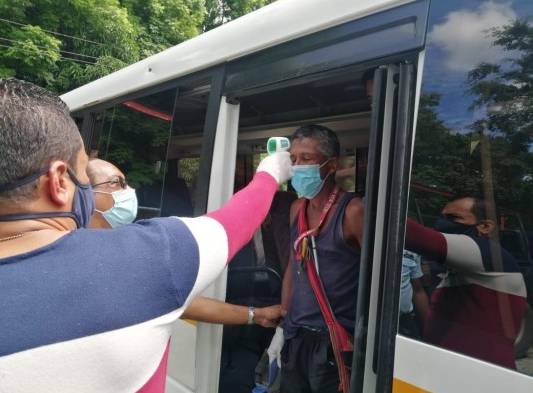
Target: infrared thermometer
277,144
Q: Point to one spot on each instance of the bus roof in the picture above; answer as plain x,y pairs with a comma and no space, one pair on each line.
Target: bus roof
278,22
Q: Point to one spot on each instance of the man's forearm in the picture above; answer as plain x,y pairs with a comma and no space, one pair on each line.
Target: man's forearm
215,311
425,241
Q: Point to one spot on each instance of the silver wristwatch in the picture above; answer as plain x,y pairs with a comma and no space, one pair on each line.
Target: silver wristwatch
251,315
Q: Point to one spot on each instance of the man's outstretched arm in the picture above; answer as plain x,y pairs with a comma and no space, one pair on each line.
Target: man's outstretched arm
208,310
457,251
220,234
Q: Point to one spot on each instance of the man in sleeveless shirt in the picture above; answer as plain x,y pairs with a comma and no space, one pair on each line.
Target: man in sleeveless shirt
307,362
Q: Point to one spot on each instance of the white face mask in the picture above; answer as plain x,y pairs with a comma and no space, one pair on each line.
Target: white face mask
124,210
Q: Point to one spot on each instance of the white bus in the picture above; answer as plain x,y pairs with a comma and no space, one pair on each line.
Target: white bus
450,113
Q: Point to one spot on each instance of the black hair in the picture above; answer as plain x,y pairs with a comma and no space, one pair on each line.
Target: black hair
328,142
36,129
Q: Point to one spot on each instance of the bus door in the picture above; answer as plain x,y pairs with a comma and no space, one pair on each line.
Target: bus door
385,204
471,180
322,79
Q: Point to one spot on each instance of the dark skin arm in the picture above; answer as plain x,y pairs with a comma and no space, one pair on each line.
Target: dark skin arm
286,289
352,225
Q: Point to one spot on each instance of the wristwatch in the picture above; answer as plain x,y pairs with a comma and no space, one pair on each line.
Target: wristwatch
251,315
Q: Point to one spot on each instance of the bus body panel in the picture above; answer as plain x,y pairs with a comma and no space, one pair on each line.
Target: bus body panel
447,371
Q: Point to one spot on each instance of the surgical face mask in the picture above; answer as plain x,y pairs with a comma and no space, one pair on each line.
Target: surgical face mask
124,209
445,225
82,203
306,179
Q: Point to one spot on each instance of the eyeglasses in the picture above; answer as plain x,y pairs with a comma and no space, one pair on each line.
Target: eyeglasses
114,182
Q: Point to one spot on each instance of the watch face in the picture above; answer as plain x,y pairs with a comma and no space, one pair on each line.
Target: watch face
251,315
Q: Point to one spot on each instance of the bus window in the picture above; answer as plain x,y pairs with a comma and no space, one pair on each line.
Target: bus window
180,192
472,186
135,137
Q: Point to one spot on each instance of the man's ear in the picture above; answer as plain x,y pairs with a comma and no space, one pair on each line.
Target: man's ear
333,164
59,186
486,227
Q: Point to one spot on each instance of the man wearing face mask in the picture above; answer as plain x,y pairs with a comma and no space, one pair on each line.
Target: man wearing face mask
92,310
116,205
478,307
334,219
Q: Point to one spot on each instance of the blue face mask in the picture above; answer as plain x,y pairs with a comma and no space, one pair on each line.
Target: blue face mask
124,209
306,179
82,203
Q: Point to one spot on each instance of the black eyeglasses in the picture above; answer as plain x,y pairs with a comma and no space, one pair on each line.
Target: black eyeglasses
114,182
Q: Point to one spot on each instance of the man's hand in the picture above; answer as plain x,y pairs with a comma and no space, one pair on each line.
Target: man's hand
277,165
268,316
275,347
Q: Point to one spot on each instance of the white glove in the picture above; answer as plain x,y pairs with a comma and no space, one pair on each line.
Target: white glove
278,165
275,347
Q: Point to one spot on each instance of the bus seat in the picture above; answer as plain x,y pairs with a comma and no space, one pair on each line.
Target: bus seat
176,198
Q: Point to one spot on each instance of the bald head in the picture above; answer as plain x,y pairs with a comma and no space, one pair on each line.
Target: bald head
104,178
100,171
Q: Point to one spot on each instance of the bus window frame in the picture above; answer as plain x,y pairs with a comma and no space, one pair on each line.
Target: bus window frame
300,58
215,76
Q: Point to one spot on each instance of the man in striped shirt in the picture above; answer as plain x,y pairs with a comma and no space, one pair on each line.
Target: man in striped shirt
478,307
91,310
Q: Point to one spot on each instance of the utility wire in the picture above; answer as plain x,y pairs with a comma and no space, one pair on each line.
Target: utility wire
49,31
44,47
60,57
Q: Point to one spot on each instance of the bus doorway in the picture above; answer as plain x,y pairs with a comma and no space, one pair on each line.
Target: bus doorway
341,102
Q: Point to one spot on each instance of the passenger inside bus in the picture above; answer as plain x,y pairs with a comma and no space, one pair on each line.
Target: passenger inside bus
340,103
308,359
116,205
414,302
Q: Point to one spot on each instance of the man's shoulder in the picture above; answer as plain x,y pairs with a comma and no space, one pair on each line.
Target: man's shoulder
355,207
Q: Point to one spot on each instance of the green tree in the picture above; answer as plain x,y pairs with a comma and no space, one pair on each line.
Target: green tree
505,90
165,23
222,11
450,161
61,45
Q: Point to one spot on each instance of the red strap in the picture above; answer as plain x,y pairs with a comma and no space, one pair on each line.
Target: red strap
300,245
340,338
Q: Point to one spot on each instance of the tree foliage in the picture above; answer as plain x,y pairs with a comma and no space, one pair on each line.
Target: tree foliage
222,11
61,45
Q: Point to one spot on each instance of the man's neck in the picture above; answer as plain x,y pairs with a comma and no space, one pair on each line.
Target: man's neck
318,202
11,228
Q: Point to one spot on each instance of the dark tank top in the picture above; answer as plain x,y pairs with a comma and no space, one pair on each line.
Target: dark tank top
338,265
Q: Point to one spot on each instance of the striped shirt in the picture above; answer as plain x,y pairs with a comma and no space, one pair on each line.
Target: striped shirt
92,312
478,307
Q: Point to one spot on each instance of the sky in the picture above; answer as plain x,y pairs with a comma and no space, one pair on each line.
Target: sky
458,40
